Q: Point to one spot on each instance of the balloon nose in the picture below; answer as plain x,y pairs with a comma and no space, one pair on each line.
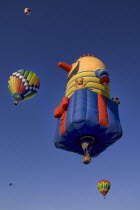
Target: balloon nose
65,66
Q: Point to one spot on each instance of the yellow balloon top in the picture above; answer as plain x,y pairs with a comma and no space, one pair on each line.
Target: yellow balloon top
89,63
85,67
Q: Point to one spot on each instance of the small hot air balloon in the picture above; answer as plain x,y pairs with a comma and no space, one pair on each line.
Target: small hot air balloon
23,85
103,186
12,184
27,11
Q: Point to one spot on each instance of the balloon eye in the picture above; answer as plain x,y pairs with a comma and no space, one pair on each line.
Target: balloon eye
74,72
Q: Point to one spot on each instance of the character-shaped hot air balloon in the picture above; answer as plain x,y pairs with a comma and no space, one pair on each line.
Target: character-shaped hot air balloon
23,85
88,120
27,11
103,186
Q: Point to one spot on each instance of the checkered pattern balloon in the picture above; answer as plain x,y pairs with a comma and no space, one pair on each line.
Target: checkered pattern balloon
23,85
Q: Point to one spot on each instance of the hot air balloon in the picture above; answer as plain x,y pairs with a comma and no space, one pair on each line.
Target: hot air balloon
27,11
10,184
23,85
88,119
103,186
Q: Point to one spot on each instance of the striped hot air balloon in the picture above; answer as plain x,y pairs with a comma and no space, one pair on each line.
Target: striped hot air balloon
23,85
103,186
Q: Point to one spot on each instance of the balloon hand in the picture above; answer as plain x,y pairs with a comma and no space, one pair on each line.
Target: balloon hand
62,107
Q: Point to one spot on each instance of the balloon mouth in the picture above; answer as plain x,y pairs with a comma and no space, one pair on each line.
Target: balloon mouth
87,143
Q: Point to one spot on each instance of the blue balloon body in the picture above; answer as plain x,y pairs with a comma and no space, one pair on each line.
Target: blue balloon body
82,119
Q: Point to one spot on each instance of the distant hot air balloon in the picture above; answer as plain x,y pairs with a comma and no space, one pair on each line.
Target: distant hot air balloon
12,184
23,85
103,186
27,11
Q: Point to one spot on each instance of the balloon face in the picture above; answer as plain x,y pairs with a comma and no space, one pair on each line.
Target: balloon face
82,64
27,11
23,85
103,186
92,70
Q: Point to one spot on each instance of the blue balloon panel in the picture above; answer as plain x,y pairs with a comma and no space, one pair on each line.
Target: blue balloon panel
82,119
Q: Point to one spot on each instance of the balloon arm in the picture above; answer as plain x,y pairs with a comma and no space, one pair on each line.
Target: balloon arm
104,79
61,108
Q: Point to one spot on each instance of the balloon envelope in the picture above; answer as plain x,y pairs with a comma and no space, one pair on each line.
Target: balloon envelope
27,11
87,112
103,186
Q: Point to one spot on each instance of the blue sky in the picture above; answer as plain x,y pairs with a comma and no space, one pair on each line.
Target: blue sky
46,177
